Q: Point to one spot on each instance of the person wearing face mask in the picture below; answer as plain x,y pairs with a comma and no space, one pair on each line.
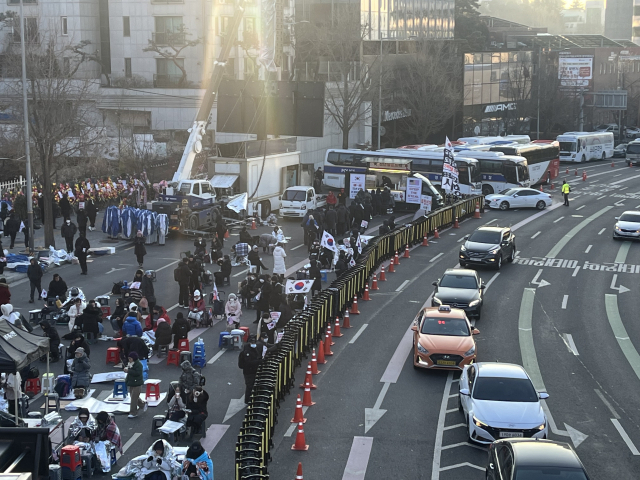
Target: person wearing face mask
262,305
68,231
177,406
249,360
160,462
197,407
139,249
197,463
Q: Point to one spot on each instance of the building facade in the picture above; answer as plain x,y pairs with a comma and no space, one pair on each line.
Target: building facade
618,19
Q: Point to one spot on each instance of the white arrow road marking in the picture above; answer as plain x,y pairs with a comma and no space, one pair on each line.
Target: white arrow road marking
372,415
565,299
235,405
113,270
541,283
358,460
621,289
530,364
623,251
568,340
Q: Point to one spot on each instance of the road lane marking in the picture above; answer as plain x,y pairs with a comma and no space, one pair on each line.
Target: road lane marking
623,251
607,404
620,332
404,284
437,448
171,308
462,444
490,222
625,437
293,426
617,175
358,458
214,435
358,333
535,216
517,253
461,239
241,272
491,280
459,465
394,367
436,257
601,231
600,198
568,340
589,249
565,299
580,207
130,248
126,446
574,231
297,247
457,425
216,356
167,266
624,180
558,219
535,235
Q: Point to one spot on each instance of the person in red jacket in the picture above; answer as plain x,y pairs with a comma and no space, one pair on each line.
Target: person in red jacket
5,293
196,308
158,313
331,199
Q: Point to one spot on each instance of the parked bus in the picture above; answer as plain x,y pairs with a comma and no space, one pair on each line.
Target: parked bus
542,159
499,171
338,163
585,146
521,139
632,153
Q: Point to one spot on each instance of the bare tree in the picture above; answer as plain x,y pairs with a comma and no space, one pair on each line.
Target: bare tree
170,46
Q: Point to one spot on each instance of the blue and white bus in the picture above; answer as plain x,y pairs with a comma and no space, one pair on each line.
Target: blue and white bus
499,171
341,163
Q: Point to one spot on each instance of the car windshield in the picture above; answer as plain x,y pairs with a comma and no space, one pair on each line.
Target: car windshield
630,217
454,327
567,146
508,191
633,148
602,127
485,236
294,196
550,473
498,389
458,281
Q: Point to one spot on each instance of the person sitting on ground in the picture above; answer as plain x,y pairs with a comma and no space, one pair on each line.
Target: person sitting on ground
118,316
189,378
131,324
197,407
80,369
75,310
197,463
107,430
246,237
196,308
83,427
57,288
51,333
233,309
160,462
163,333
180,329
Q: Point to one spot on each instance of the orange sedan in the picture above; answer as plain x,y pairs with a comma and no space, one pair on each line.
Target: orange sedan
443,338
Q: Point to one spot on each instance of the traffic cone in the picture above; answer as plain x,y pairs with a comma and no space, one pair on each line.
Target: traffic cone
226,234
396,259
584,175
306,398
425,240
612,164
576,172
365,296
354,306
374,282
383,277
299,472
345,320
541,188
567,170
435,233
553,187
308,380
456,224
328,341
321,359
298,415
253,224
391,267
336,328
314,363
406,251
300,441
477,212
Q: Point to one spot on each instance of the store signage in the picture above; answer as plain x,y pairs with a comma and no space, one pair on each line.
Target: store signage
387,116
500,107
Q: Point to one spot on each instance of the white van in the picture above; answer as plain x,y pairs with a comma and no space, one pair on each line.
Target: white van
585,146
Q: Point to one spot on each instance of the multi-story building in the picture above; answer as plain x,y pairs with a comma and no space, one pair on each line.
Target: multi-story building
618,19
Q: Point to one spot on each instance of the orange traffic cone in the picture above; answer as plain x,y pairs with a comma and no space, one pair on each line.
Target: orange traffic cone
226,234
354,306
541,188
336,328
553,187
584,175
436,234
477,212
567,170
391,267
456,224
321,359
406,251
374,282
314,363
328,341
612,164
298,415
365,296
396,259
306,398
299,472
308,380
345,320
300,441
425,240
576,172
253,224
383,277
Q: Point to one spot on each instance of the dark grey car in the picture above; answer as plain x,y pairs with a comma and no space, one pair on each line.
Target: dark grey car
460,288
490,246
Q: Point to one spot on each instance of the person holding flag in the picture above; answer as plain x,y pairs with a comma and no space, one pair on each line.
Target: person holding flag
329,243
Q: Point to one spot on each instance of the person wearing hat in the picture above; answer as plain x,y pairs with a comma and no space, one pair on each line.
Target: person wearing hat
134,381
51,333
107,430
233,310
249,359
131,325
255,260
196,308
80,369
139,249
197,463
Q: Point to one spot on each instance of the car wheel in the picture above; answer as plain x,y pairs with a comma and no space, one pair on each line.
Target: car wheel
463,265
541,205
604,157
415,366
584,159
512,257
460,409
504,206
499,262
479,314
614,237
487,190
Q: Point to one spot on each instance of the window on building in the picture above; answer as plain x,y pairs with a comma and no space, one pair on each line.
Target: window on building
168,73
63,26
126,27
169,31
26,2
127,67
223,25
30,30
230,68
249,24
66,66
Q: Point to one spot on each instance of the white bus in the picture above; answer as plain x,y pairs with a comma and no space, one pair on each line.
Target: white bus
585,146
495,140
499,171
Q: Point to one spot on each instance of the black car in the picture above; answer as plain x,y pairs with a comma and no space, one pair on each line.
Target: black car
528,458
459,288
488,246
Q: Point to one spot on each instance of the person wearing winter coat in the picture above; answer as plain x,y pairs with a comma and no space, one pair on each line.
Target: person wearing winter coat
91,319
75,311
249,359
312,230
245,236
180,329
183,277
160,315
331,220
57,288
331,199
118,316
5,293
65,206
177,405
92,211
201,246
134,381
286,313
159,463
78,341
342,219
367,211
255,260
80,369
147,289
262,305
197,406
82,220
385,199
196,308
133,344
276,291
139,249
189,378
10,316
68,231
197,270
51,333
279,267
163,333
316,276
81,251
131,324
197,463
225,270
267,327
384,228
233,310
11,227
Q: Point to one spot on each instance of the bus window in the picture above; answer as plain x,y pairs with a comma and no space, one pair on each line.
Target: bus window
463,173
510,174
333,158
421,165
523,173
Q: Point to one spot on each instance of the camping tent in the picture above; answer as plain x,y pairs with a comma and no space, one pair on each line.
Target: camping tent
19,348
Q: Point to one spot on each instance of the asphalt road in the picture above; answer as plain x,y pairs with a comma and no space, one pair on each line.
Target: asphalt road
377,417
225,383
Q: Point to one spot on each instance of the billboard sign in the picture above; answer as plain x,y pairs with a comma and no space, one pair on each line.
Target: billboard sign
575,71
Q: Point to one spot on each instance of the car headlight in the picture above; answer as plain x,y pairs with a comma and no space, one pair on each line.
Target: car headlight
478,423
494,251
437,301
303,207
463,248
617,227
422,350
471,351
541,427
474,303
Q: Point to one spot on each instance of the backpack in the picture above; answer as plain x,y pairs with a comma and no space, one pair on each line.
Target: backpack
33,372
63,385
176,274
117,288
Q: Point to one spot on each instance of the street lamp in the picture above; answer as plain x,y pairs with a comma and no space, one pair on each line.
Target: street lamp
380,91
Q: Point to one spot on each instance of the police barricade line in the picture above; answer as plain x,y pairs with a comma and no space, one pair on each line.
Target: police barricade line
275,376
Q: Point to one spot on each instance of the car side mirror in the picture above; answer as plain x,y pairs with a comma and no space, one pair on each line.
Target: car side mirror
491,466
414,328
435,284
464,391
483,286
543,395
466,237
617,218
475,331
514,195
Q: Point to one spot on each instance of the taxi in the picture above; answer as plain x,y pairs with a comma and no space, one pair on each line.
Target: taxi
443,339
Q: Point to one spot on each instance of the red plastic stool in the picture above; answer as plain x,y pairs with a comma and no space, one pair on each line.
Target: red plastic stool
183,345
173,358
70,457
106,311
245,338
33,385
153,389
113,355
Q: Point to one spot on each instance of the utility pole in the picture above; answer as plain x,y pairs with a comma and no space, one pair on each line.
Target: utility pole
27,153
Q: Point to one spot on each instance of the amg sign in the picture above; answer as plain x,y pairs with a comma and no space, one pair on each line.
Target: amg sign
500,107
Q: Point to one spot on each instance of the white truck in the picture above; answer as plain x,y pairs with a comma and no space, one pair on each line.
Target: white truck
296,201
